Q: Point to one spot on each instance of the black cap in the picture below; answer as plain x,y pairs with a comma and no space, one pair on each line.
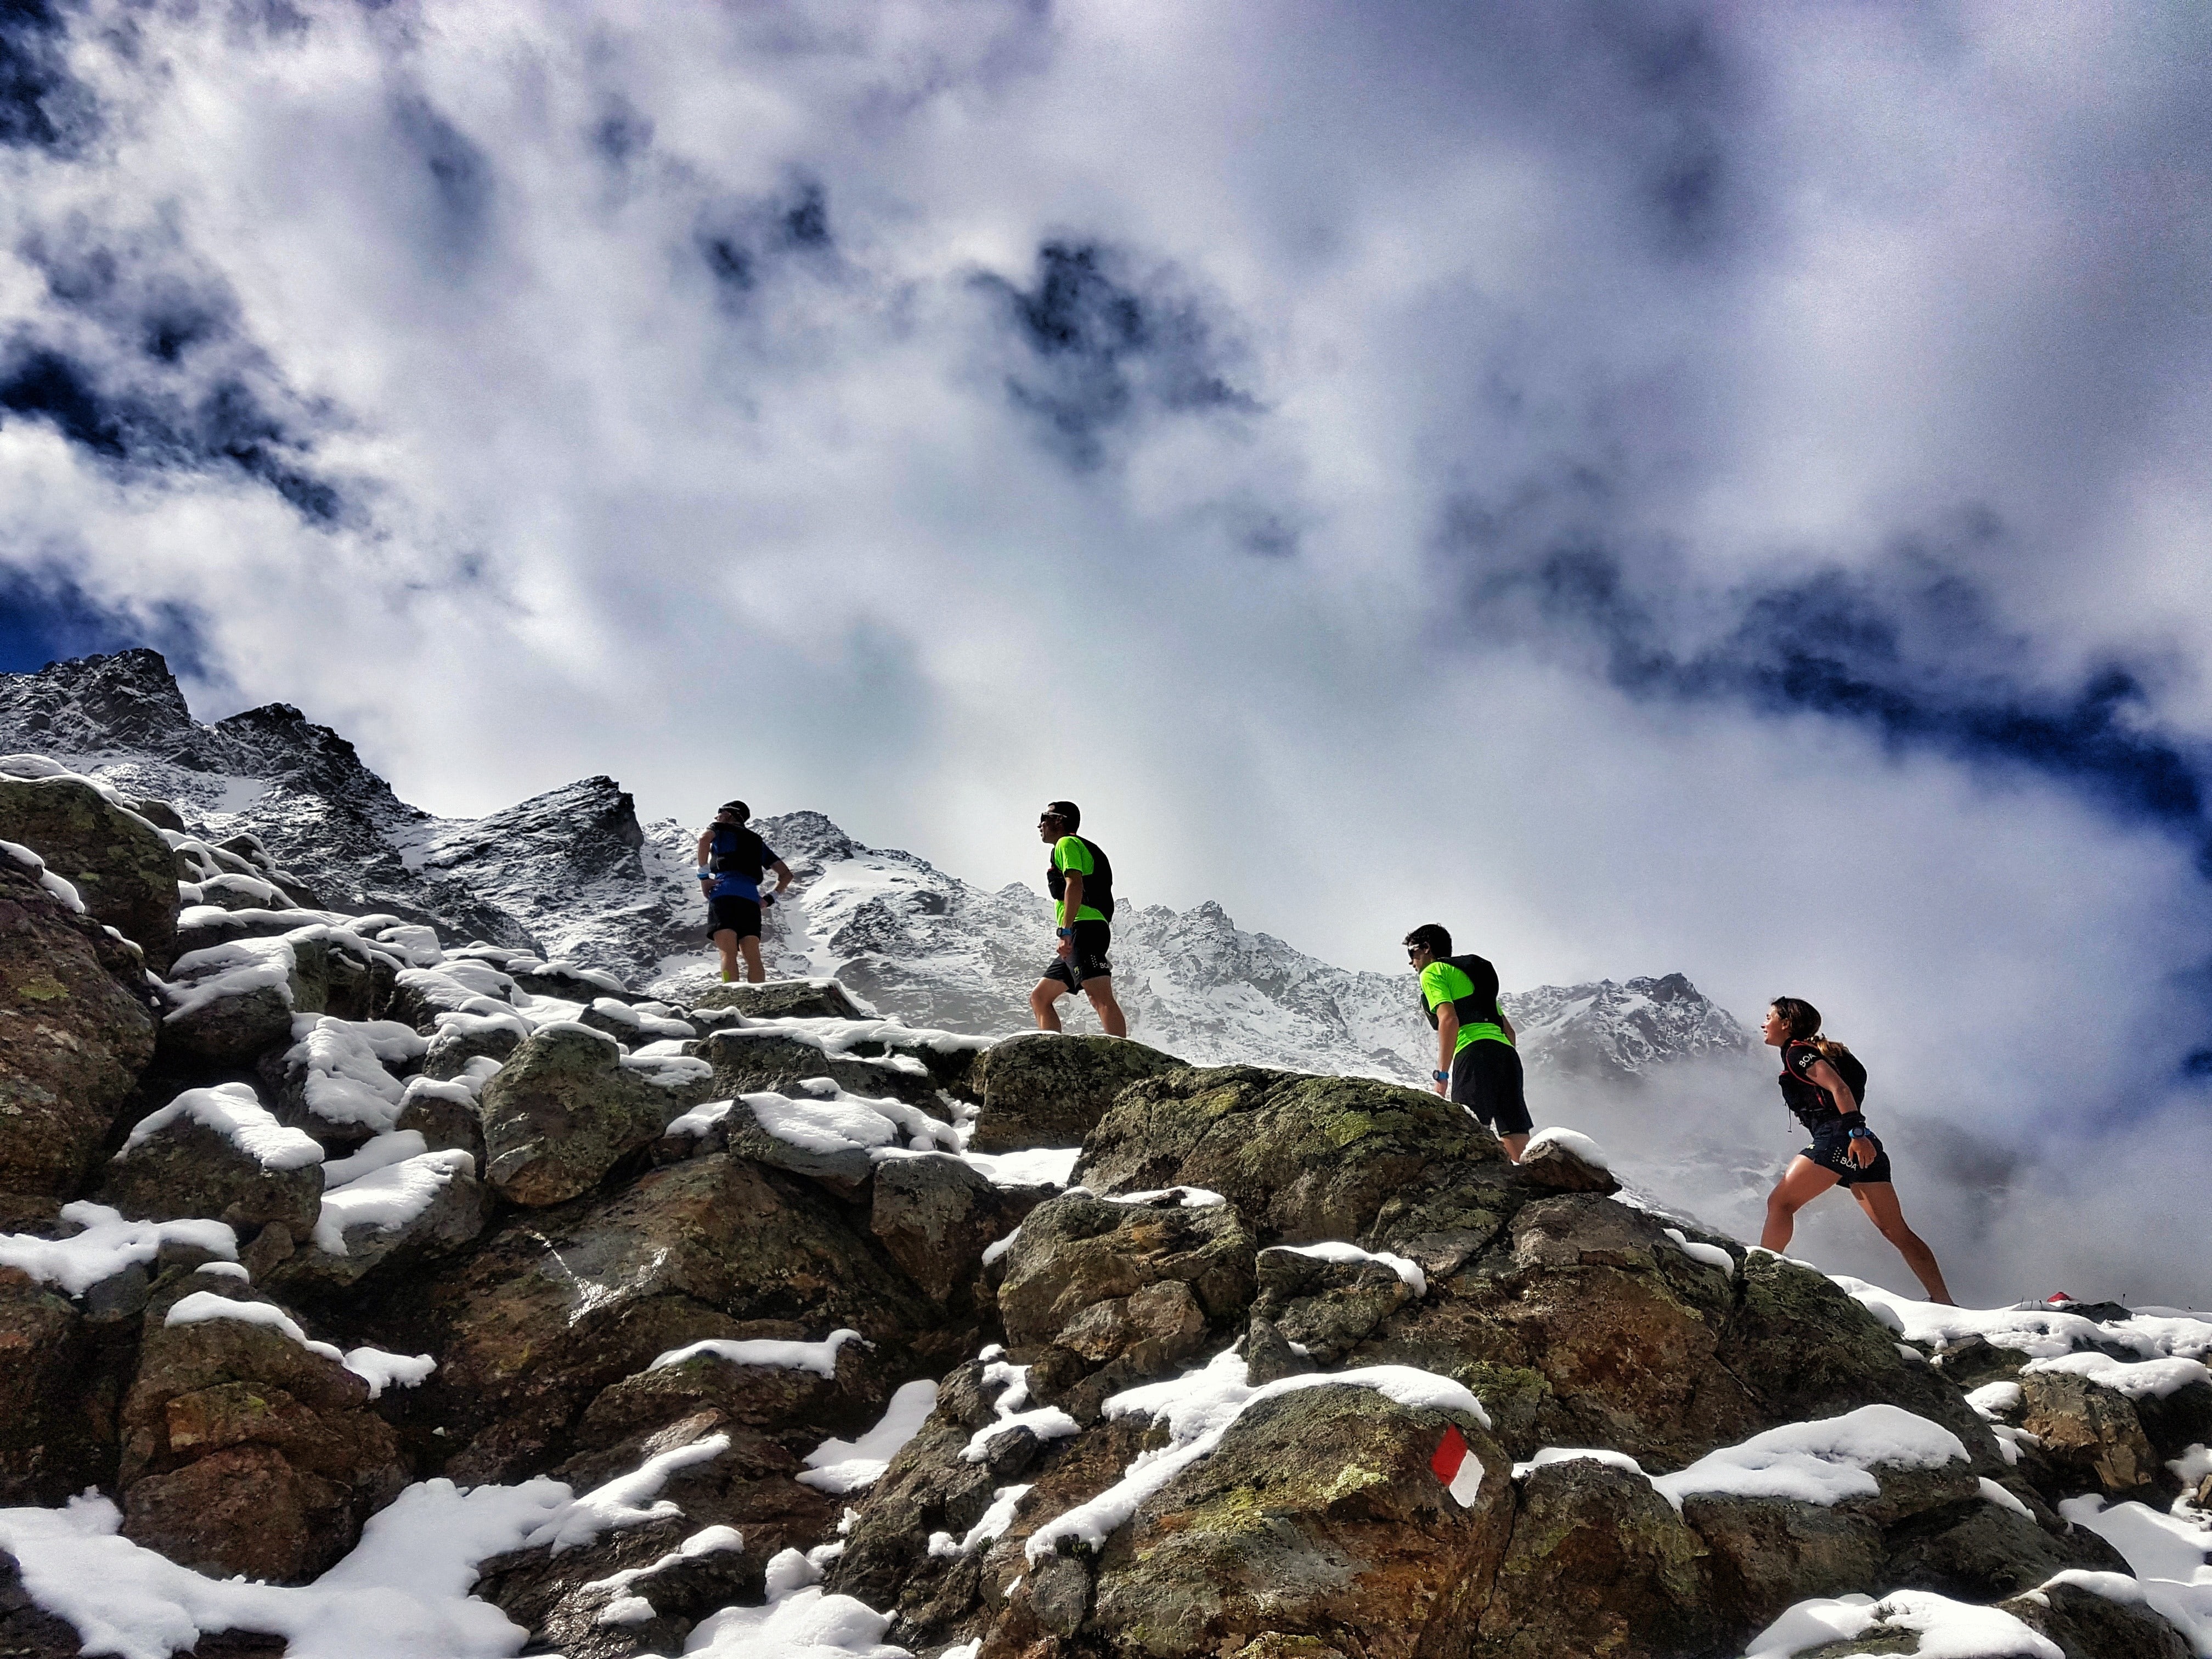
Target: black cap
735,808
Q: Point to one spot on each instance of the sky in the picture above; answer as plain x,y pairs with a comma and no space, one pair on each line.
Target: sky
1656,487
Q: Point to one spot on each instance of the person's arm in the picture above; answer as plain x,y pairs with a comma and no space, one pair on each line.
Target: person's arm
1506,1025
782,874
1071,907
706,845
1447,1040
1822,1075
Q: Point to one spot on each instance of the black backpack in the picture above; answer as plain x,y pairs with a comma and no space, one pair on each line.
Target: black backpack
1846,1063
1097,886
729,854
1479,1008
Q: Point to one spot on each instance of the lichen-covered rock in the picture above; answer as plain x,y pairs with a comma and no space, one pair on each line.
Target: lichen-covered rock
795,1406
757,1060
1047,1089
228,1003
1105,1295
73,1037
1305,1159
53,1442
1319,1514
217,1152
244,1451
118,862
557,1304
2089,1625
782,999
564,1111
1600,1565
935,1217
420,1209
2091,1434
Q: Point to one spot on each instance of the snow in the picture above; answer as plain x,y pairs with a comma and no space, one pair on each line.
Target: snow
1568,1141
800,1622
995,1521
628,1500
2151,1378
1820,1463
1946,1629
1992,1493
826,1119
2168,1553
820,1358
1012,1381
706,1541
1037,1166
1411,1275
381,1371
1994,1399
999,1247
63,890
839,1466
372,1366
1548,1454
401,1594
638,1020
626,1610
238,969
235,1112
1186,1198
2039,1330
1200,1407
346,1082
391,1193
699,1120
2192,1466
107,1246
1711,1254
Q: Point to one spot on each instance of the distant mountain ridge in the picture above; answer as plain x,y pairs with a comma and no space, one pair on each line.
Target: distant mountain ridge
573,873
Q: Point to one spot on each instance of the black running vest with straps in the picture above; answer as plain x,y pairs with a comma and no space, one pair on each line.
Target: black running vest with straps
1479,1009
1097,886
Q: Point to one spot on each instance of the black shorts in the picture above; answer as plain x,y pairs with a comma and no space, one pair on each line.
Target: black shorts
1092,939
1486,1078
1831,1150
733,914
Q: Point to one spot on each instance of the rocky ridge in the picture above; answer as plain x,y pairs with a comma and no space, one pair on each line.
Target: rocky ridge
366,1291
572,873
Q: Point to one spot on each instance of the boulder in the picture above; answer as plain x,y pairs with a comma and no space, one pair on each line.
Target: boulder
1976,1549
556,1305
2091,1434
53,1440
753,1060
418,1209
1599,1564
935,1217
217,1152
783,998
1305,1159
563,1112
794,1405
74,1037
243,1449
460,1038
118,862
230,1002
1105,1295
27,1631
1319,1514
1046,1089
2089,1625
1311,1312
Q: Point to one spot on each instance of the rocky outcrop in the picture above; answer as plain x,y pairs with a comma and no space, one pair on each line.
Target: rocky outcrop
782,999
217,1152
562,1112
118,862
74,1037
1044,1088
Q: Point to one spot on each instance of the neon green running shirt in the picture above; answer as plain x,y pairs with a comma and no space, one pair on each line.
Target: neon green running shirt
1071,857
1440,982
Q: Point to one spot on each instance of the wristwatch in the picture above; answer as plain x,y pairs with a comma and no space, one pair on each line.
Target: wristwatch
1065,932
1441,1076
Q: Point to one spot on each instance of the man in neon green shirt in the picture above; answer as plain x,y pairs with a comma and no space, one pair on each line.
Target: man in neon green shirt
1477,1065
1081,880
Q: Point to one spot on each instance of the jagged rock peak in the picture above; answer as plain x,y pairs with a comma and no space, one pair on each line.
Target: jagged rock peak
127,700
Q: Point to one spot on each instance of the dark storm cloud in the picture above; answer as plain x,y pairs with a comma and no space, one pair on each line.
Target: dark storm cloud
46,616
1910,649
42,105
140,360
1096,346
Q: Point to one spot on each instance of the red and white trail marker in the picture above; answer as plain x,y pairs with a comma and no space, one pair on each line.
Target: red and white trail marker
1460,1470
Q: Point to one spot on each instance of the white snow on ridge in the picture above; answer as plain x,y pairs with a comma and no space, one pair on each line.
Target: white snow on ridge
59,886
233,1111
2171,1554
1945,1629
1408,1273
372,1366
819,1357
107,1246
2039,1332
838,1466
2137,1380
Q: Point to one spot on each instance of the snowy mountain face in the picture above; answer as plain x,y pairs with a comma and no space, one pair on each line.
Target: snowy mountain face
572,873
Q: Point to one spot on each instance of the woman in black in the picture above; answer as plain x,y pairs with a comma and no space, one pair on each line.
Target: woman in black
1845,1151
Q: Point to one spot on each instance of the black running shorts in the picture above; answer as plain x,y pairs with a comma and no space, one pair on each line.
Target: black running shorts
1486,1078
1831,1150
1092,939
731,915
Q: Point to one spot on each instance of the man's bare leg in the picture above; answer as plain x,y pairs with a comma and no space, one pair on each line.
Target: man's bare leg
726,943
1513,1146
750,945
1800,1183
1047,992
1878,1200
1101,993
